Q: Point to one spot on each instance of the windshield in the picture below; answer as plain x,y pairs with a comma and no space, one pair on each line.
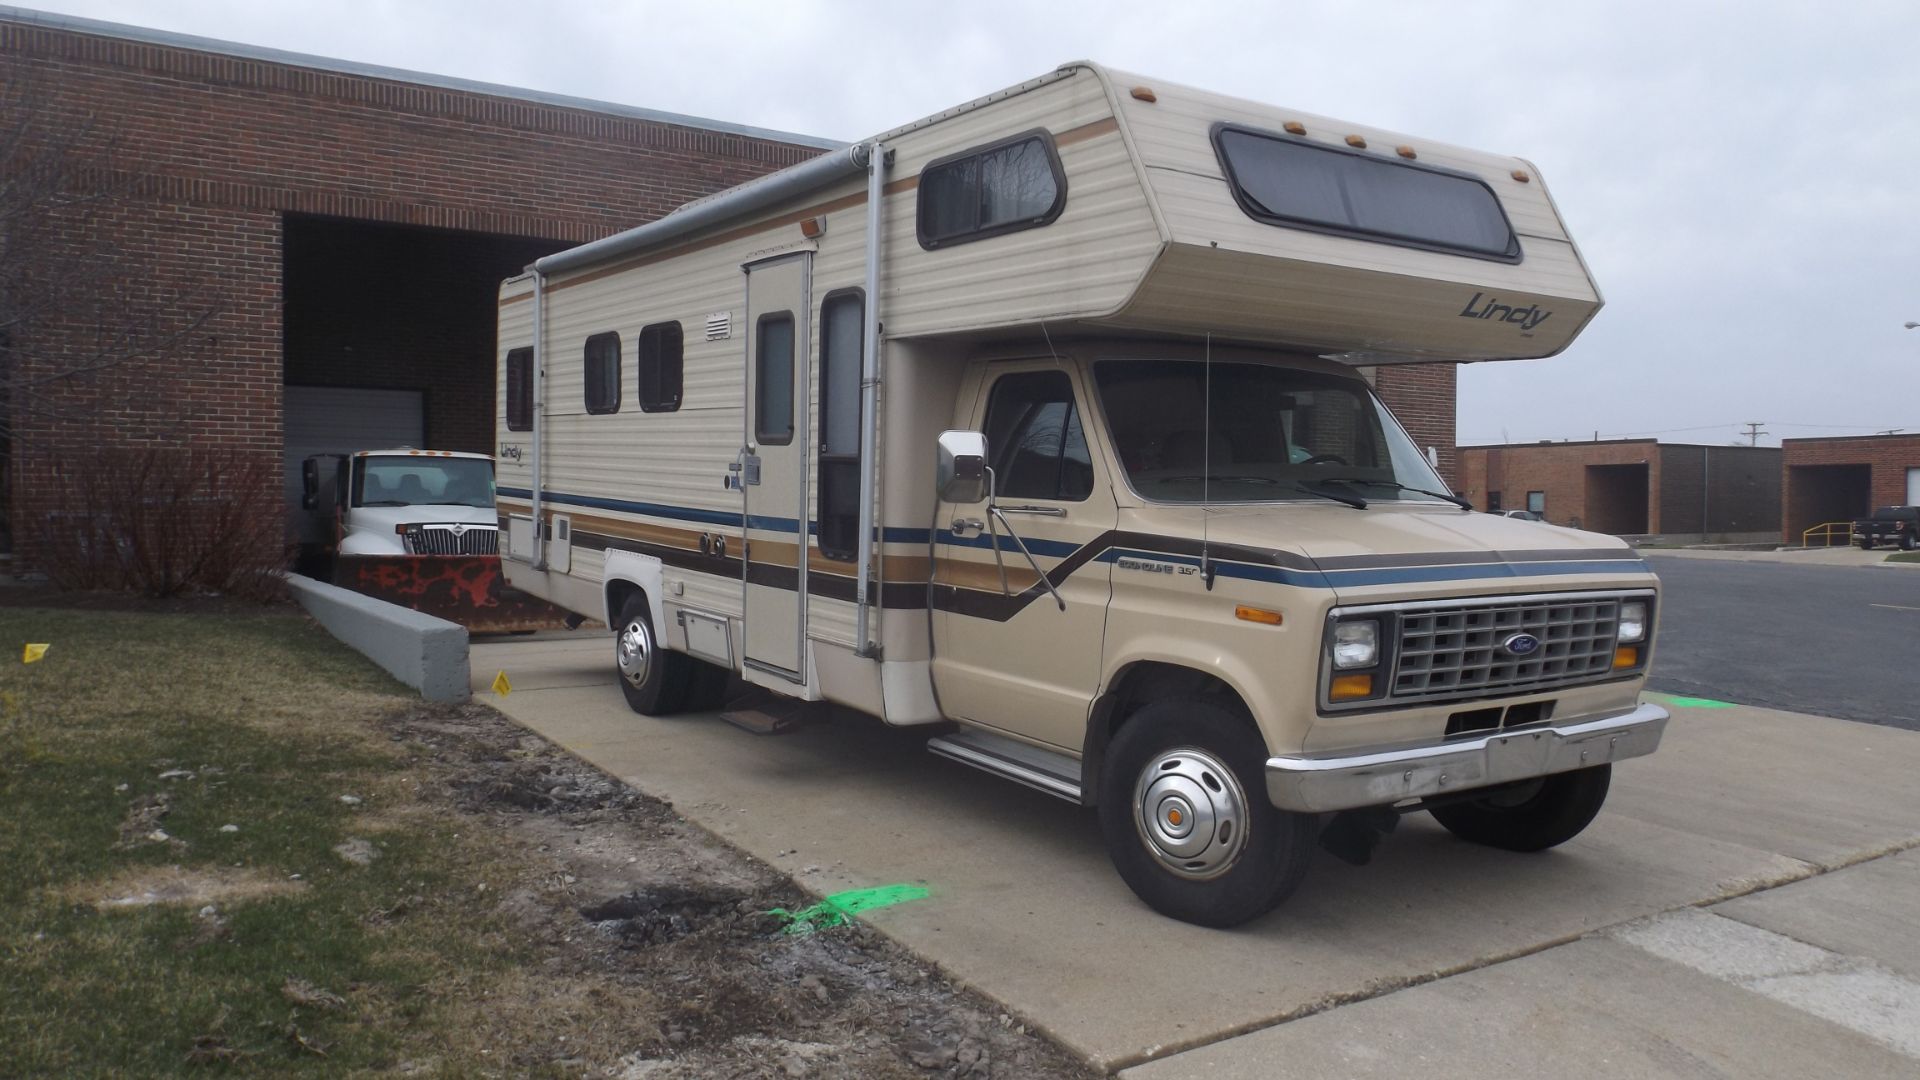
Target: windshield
415,481
1276,433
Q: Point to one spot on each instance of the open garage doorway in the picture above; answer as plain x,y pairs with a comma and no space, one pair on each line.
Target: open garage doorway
1617,499
1818,494
388,337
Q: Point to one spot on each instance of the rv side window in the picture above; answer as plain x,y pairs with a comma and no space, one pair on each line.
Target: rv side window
1034,436
660,353
773,380
841,318
520,390
1013,184
1288,181
603,373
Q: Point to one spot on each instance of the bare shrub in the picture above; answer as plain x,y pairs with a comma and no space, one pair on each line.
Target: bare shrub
165,521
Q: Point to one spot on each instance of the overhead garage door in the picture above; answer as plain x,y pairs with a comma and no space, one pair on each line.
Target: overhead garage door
335,420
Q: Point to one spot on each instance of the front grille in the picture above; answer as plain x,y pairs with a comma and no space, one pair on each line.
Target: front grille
442,540
1456,651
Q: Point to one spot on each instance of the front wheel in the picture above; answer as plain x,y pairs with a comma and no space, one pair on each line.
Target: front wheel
654,679
1908,542
1532,815
1184,810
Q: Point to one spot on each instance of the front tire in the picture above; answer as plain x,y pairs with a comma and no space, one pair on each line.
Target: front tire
1184,810
1530,816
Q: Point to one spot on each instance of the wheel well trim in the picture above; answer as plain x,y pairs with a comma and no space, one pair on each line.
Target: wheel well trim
637,571
1104,713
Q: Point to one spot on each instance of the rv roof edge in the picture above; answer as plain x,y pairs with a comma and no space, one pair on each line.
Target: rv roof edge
770,190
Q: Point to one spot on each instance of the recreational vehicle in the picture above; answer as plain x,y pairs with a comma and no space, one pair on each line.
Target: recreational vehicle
1046,422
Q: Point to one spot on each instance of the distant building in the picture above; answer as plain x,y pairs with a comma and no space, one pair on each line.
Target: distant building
1631,487
1839,479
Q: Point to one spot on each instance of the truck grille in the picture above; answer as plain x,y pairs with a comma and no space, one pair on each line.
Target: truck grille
1456,651
442,540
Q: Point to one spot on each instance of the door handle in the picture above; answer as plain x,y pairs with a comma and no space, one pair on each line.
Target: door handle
1043,511
962,526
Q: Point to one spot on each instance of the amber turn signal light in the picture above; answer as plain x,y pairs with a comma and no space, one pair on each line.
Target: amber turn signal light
1259,615
1625,656
1349,687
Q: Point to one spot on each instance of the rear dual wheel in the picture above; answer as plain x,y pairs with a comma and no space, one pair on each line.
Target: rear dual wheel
658,681
1184,811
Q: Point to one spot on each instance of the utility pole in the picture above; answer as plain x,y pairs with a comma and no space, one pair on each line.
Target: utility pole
1754,432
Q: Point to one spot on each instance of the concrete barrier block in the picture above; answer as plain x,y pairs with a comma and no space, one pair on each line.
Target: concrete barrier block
426,653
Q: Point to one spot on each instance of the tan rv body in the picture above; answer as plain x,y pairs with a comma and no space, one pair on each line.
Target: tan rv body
1149,256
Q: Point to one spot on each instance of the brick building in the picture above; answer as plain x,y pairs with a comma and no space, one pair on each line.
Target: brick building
353,223
1839,479
1631,487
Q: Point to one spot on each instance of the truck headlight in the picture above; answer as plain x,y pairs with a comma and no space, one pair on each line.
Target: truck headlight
1633,621
1356,644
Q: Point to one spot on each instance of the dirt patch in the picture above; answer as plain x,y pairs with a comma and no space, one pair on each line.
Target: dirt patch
175,886
638,908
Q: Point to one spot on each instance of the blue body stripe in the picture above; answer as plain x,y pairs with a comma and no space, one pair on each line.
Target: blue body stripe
1054,549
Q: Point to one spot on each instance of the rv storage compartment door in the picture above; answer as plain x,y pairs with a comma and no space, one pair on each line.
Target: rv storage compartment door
774,557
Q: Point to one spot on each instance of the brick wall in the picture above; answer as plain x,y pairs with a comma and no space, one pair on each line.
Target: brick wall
214,151
1558,469
1811,464
1425,398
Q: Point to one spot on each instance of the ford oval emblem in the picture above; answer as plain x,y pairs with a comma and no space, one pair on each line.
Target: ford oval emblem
1521,645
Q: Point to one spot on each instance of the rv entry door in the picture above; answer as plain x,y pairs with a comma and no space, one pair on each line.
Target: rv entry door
773,474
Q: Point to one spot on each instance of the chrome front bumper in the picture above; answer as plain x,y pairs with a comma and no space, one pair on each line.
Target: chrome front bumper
1315,783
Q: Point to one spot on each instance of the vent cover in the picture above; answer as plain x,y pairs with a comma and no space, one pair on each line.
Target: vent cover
719,325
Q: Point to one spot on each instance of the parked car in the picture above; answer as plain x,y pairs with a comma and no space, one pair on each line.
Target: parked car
1523,515
1896,525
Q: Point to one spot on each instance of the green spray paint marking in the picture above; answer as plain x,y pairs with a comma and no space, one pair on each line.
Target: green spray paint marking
836,909
1699,703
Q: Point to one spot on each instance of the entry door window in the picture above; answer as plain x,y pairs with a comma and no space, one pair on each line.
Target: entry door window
1537,501
773,381
1038,448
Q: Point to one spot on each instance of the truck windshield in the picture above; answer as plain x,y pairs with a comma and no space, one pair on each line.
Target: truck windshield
1271,433
422,481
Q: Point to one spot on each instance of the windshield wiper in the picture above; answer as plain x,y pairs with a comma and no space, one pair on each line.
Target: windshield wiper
1398,486
1354,501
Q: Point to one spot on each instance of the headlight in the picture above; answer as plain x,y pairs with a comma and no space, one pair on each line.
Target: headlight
1633,621
1356,644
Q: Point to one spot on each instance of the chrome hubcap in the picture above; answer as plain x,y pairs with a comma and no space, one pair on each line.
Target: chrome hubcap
1191,812
633,650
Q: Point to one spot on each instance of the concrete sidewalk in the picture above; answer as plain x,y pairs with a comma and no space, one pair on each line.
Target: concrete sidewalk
1026,908
1828,556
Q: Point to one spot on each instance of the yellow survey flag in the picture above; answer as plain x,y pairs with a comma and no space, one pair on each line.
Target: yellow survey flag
32,653
500,684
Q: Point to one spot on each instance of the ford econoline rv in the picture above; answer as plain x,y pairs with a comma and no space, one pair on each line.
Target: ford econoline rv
1045,421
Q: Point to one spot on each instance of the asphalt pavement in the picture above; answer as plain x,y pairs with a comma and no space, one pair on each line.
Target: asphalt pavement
1830,640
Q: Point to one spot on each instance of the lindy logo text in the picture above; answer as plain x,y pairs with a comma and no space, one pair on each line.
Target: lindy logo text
1527,317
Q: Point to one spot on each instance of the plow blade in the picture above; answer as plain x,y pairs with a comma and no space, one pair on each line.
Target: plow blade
465,589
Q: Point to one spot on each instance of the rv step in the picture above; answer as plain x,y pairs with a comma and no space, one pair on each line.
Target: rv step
1045,770
762,713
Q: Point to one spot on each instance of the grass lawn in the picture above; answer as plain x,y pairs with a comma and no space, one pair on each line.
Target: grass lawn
1904,556
139,935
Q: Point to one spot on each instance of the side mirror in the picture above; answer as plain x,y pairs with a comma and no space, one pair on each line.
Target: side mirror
309,484
962,473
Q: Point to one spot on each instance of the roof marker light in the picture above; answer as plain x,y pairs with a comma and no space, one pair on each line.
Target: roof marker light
1356,142
1520,175
1294,127
1144,93
1405,152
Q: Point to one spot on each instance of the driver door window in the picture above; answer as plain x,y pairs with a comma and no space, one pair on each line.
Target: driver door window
1033,432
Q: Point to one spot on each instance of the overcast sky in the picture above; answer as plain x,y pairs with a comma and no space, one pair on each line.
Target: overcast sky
1743,177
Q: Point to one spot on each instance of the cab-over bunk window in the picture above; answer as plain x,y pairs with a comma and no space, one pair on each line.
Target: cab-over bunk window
1016,183
1289,181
